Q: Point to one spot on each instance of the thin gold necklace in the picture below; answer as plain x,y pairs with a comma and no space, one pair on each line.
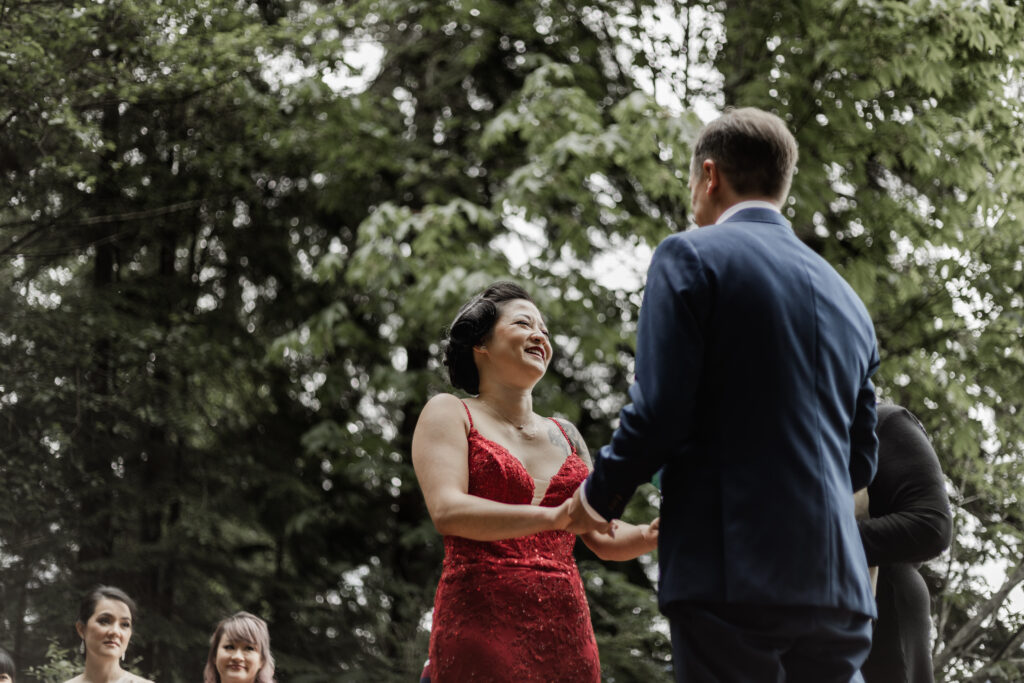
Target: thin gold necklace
521,427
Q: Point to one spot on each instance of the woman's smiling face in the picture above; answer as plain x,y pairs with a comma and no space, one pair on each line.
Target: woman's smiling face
238,661
519,338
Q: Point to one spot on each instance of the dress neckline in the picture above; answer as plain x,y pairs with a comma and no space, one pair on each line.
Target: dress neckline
522,467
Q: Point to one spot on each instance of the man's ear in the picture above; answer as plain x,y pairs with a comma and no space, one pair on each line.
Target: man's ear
711,176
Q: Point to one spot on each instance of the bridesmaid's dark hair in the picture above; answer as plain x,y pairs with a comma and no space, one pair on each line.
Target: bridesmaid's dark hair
88,605
6,664
472,325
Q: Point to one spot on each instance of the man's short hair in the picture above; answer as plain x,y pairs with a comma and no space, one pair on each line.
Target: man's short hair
752,148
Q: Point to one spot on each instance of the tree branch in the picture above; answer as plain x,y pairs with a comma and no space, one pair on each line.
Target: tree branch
972,629
17,243
1012,645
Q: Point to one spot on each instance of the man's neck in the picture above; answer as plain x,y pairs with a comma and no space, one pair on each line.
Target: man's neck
758,203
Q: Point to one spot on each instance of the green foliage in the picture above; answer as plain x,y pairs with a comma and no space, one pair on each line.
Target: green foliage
623,614
60,666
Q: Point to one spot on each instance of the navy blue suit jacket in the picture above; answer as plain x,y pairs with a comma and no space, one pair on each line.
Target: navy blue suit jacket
753,391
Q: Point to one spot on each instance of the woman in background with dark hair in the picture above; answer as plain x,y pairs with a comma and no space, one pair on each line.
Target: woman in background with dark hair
909,523
240,651
6,667
106,618
497,479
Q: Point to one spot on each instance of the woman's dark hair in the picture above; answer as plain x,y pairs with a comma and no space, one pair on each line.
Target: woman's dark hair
92,598
6,664
472,325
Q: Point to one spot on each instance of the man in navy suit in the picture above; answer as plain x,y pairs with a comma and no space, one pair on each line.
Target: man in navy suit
753,395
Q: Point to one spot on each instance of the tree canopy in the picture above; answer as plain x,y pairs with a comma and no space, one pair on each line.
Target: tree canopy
232,234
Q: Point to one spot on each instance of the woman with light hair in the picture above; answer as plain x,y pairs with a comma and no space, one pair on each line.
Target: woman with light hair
240,651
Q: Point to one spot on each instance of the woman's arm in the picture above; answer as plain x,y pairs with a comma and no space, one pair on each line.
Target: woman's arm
630,540
910,516
440,456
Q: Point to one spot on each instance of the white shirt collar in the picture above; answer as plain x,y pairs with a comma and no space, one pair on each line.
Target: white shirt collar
749,204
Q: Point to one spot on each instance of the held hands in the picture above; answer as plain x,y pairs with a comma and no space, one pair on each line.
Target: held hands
560,516
615,540
580,521
649,532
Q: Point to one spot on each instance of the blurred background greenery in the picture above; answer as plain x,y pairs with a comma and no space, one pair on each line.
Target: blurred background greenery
233,232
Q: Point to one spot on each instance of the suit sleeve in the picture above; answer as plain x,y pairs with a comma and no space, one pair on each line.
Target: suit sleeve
910,516
863,440
658,420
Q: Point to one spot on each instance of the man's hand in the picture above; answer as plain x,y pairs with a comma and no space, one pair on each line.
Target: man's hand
581,521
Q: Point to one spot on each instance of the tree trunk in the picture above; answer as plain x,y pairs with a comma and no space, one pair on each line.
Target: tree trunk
96,535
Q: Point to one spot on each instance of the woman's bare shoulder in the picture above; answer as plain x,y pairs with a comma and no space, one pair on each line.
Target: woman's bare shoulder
445,400
445,407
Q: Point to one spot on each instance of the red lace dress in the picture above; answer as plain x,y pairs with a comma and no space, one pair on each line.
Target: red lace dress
513,610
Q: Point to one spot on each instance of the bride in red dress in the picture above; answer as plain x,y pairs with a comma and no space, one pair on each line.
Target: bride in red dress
497,479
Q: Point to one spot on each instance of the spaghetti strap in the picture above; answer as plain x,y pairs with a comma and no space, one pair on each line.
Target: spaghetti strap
470,415
572,447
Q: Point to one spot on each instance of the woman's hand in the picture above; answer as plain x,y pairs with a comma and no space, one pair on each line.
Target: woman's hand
560,517
630,540
649,532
